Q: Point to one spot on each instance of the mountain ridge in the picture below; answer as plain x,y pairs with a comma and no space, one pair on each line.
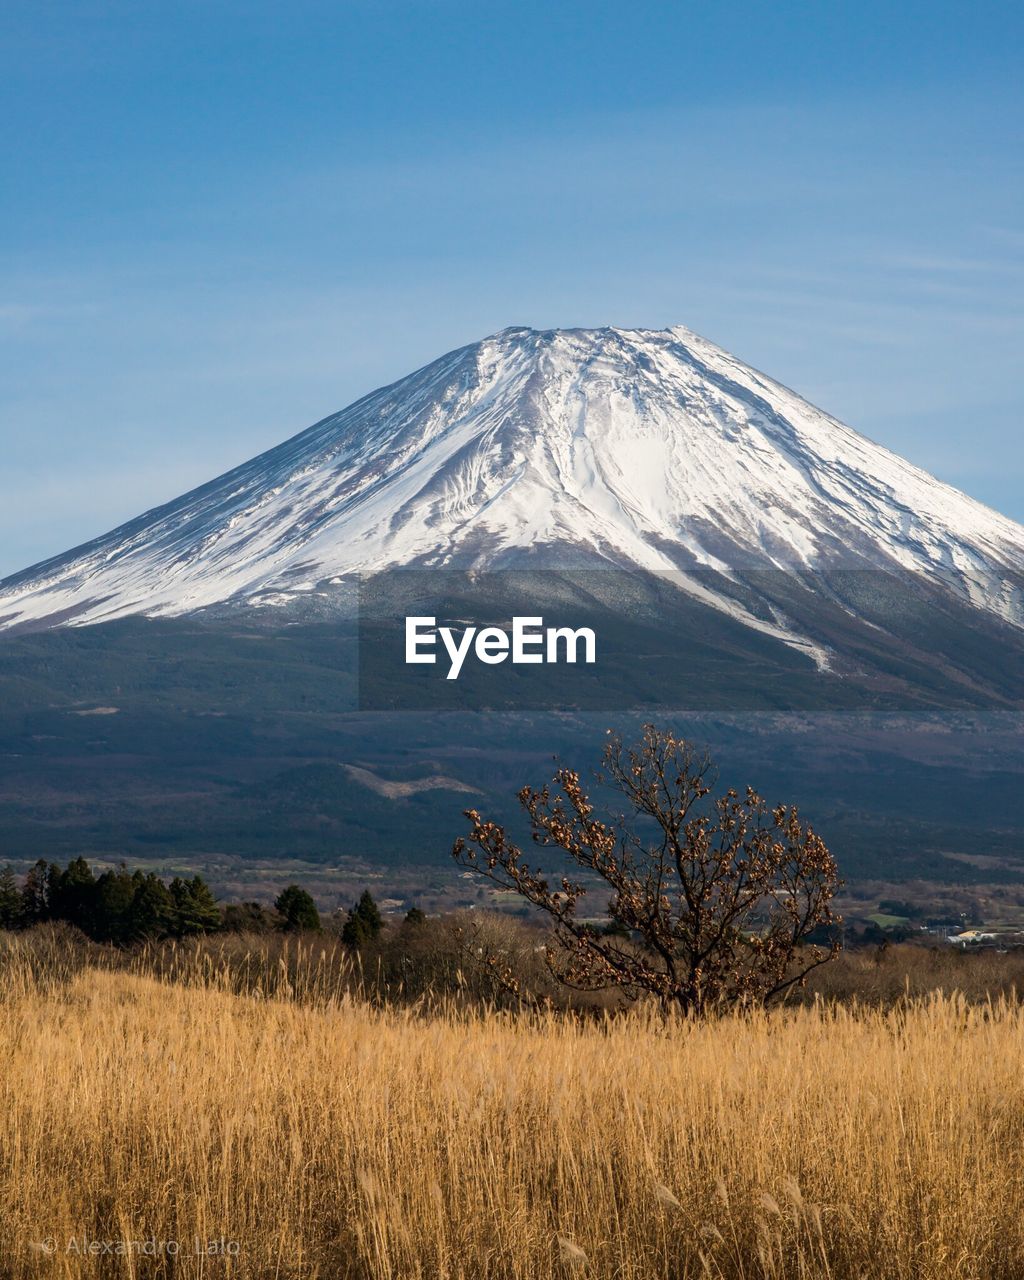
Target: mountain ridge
646,449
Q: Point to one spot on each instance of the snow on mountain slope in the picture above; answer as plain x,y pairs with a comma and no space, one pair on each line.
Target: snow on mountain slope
574,448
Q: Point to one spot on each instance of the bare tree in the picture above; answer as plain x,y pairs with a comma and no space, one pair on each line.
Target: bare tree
713,901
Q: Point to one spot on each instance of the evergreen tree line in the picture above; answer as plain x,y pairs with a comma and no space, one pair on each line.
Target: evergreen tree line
118,906
122,907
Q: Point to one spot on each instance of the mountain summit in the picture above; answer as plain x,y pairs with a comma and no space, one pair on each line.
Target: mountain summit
575,448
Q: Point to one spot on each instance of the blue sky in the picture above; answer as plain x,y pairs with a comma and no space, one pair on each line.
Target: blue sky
222,221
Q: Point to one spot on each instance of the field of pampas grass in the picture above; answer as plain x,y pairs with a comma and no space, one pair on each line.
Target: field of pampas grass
188,1127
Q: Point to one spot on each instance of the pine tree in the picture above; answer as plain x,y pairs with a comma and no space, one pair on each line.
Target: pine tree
297,909
152,909
72,894
364,922
10,899
115,893
35,895
194,908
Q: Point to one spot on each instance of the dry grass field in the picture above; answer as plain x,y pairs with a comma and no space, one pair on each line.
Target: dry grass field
207,1126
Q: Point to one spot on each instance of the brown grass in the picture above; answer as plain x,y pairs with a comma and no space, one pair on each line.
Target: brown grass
333,1139
889,975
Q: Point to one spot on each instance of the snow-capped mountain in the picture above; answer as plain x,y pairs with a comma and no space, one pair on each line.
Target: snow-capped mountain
564,448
